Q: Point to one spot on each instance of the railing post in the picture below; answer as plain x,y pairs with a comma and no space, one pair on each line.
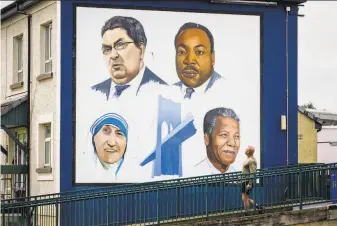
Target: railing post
35,215
206,197
57,213
178,201
158,212
107,210
300,188
254,190
3,218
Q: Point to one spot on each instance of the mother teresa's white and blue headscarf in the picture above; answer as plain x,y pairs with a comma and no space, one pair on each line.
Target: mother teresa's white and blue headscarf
111,119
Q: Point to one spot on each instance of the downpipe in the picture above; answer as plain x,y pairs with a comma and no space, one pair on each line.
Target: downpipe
29,17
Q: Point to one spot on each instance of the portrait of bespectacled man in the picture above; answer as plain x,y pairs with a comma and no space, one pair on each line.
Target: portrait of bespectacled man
123,48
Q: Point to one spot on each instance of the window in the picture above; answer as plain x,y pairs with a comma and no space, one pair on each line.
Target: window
48,48
44,144
18,62
47,144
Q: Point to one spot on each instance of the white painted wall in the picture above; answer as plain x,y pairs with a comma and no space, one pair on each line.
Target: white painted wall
325,152
44,94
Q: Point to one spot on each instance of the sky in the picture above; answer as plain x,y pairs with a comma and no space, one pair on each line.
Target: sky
317,54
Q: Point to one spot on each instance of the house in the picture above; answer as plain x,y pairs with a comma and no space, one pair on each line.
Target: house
327,137
308,127
29,74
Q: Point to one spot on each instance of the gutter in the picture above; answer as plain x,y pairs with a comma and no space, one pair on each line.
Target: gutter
11,9
29,17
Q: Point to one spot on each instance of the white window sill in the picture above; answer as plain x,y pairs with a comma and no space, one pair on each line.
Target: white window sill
16,85
45,173
44,76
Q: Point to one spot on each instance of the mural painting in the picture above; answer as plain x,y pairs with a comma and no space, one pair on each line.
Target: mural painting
158,94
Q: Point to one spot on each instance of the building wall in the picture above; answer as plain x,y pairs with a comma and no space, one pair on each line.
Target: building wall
11,28
274,140
307,139
327,153
43,102
44,108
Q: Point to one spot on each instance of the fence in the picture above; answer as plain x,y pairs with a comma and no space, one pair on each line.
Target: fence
173,200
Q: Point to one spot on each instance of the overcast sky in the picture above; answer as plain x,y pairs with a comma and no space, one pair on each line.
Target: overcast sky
317,58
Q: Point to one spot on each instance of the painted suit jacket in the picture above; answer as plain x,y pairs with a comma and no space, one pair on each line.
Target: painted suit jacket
149,76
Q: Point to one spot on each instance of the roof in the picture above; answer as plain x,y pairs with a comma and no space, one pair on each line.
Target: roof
14,112
314,111
11,9
10,104
309,115
328,118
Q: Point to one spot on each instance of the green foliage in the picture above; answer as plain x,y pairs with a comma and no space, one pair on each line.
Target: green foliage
309,105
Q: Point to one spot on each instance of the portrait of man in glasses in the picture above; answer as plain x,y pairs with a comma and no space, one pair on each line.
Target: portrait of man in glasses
123,48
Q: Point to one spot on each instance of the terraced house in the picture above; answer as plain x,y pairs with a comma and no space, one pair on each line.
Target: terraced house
29,77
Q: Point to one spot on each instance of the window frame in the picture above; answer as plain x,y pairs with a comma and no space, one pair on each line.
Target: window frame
19,58
48,50
45,140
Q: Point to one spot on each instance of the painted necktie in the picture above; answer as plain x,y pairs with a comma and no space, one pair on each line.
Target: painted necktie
189,92
120,89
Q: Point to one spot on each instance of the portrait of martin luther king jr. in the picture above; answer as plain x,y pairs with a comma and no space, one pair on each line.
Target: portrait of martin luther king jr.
195,59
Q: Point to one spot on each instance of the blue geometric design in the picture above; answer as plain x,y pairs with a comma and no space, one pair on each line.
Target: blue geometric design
167,153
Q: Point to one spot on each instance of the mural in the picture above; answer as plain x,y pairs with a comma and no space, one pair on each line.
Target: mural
222,140
151,101
195,59
109,140
123,48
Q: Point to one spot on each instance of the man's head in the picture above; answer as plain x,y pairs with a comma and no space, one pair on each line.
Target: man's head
110,135
250,151
195,56
123,48
222,135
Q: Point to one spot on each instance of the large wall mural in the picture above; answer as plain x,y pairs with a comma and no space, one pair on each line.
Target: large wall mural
163,95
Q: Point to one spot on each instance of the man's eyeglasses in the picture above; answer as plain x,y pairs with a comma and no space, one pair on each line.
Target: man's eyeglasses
117,46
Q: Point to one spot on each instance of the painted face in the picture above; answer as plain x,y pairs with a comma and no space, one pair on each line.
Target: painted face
122,57
225,140
110,144
194,59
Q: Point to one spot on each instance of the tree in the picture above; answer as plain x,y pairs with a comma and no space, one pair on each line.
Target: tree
309,105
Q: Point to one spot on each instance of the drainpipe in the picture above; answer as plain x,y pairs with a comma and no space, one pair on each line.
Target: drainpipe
29,16
287,80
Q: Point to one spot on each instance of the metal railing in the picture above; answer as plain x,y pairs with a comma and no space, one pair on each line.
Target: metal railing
173,200
13,186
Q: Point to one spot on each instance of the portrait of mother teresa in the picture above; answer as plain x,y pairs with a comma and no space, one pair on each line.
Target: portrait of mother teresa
109,140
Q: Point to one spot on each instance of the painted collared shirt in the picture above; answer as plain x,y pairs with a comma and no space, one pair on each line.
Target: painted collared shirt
134,84
207,167
203,88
